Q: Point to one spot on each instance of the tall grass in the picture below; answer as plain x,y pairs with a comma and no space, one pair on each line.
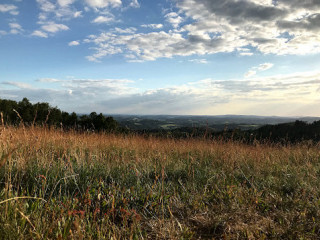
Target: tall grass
66,185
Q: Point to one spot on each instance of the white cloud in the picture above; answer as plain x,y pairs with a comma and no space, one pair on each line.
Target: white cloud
265,66
150,46
125,31
103,19
54,27
198,27
209,27
12,9
77,14
102,53
39,33
15,13
202,61
250,73
174,19
15,28
64,3
270,28
74,43
103,3
48,80
52,13
201,27
262,67
134,4
153,26
46,5
15,25
246,53
139,46
14,31
20,85
57,10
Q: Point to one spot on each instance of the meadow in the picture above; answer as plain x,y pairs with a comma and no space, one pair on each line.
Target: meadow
68,185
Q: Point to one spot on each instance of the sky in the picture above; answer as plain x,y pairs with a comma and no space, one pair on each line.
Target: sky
179,57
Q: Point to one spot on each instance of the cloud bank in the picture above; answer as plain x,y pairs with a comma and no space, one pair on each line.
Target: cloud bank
202,27
286,95
190,27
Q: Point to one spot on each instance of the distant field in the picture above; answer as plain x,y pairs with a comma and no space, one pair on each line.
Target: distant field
218,123
169,126
66,185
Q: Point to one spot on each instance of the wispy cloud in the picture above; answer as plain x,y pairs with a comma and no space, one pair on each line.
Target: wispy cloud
74,43
265,66
153,26
65,3
134,4
174,19
54,27
103,3
52,13
20,85
61,9
202,61
103,19
10,8
130,30
49,80
38,33
262,67
15,28
250,73
49,29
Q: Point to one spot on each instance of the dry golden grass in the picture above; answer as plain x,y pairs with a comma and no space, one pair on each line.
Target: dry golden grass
104,186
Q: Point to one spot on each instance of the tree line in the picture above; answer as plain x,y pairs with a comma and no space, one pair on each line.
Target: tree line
293,132
15,113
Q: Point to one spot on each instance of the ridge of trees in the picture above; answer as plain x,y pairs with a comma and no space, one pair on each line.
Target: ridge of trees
293,132
14,113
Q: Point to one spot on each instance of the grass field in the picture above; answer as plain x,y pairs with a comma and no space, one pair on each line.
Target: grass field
58,185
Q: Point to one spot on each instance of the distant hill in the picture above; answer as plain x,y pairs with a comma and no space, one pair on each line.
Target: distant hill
218,123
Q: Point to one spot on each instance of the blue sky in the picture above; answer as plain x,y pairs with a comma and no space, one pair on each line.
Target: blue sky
202,57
